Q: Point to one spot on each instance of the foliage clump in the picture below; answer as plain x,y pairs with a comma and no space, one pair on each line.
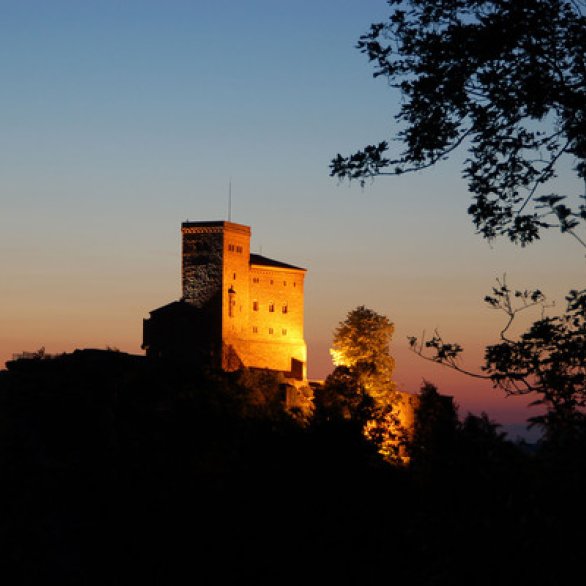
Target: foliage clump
506,79
361,386
361,343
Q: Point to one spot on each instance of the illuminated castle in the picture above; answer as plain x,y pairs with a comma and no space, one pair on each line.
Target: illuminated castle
238,309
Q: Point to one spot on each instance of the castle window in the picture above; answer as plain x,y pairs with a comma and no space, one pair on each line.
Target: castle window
294,284
285,308
271,306
256,280
231,247
254,330
270,330
271,281
284,283
234,276
284,332
231,302
239,249
255,305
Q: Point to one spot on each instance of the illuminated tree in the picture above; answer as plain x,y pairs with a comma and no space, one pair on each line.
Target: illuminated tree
361,343
362,386
505,78
385,430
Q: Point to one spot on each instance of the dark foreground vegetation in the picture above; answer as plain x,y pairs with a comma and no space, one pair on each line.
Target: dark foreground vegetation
115,470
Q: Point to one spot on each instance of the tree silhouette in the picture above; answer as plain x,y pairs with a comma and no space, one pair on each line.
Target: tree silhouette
507,79
547,361
433,442
343,398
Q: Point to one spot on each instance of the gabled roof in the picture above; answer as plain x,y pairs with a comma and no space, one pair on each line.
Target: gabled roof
259,260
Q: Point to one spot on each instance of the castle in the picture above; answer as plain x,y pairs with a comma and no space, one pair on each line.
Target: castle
241,310
237,310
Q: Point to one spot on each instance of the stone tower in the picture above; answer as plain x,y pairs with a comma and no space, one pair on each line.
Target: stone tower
211,252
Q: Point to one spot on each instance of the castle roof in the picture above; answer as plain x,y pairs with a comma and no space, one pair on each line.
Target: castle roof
263,261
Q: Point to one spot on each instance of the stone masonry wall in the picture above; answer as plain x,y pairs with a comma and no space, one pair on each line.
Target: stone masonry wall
202,258
273,334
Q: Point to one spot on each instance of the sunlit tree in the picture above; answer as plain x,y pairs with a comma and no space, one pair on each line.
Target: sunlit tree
360,350
361,343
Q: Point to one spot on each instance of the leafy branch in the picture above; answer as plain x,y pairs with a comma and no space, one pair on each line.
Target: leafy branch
548,360
504,77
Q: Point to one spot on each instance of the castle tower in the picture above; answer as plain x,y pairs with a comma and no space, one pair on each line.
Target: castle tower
214,274
211,251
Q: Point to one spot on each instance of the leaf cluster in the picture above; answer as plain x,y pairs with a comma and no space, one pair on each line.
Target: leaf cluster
506,77
361,342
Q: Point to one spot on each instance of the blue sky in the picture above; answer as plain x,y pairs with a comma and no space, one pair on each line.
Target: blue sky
121,119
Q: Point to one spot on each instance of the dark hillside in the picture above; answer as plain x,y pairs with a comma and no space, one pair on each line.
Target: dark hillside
117,470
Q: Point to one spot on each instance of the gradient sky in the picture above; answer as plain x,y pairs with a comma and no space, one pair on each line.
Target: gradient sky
121,119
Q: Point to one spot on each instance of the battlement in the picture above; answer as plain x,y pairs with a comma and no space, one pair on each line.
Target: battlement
218,226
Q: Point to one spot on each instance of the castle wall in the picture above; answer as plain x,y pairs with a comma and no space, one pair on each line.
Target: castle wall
273,335
275,355
276,297
235,281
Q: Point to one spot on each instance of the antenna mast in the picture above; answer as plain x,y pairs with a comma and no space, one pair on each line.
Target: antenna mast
230,200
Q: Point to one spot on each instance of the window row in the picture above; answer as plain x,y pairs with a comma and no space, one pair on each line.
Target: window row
234,248
272,281
271,331
271,306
